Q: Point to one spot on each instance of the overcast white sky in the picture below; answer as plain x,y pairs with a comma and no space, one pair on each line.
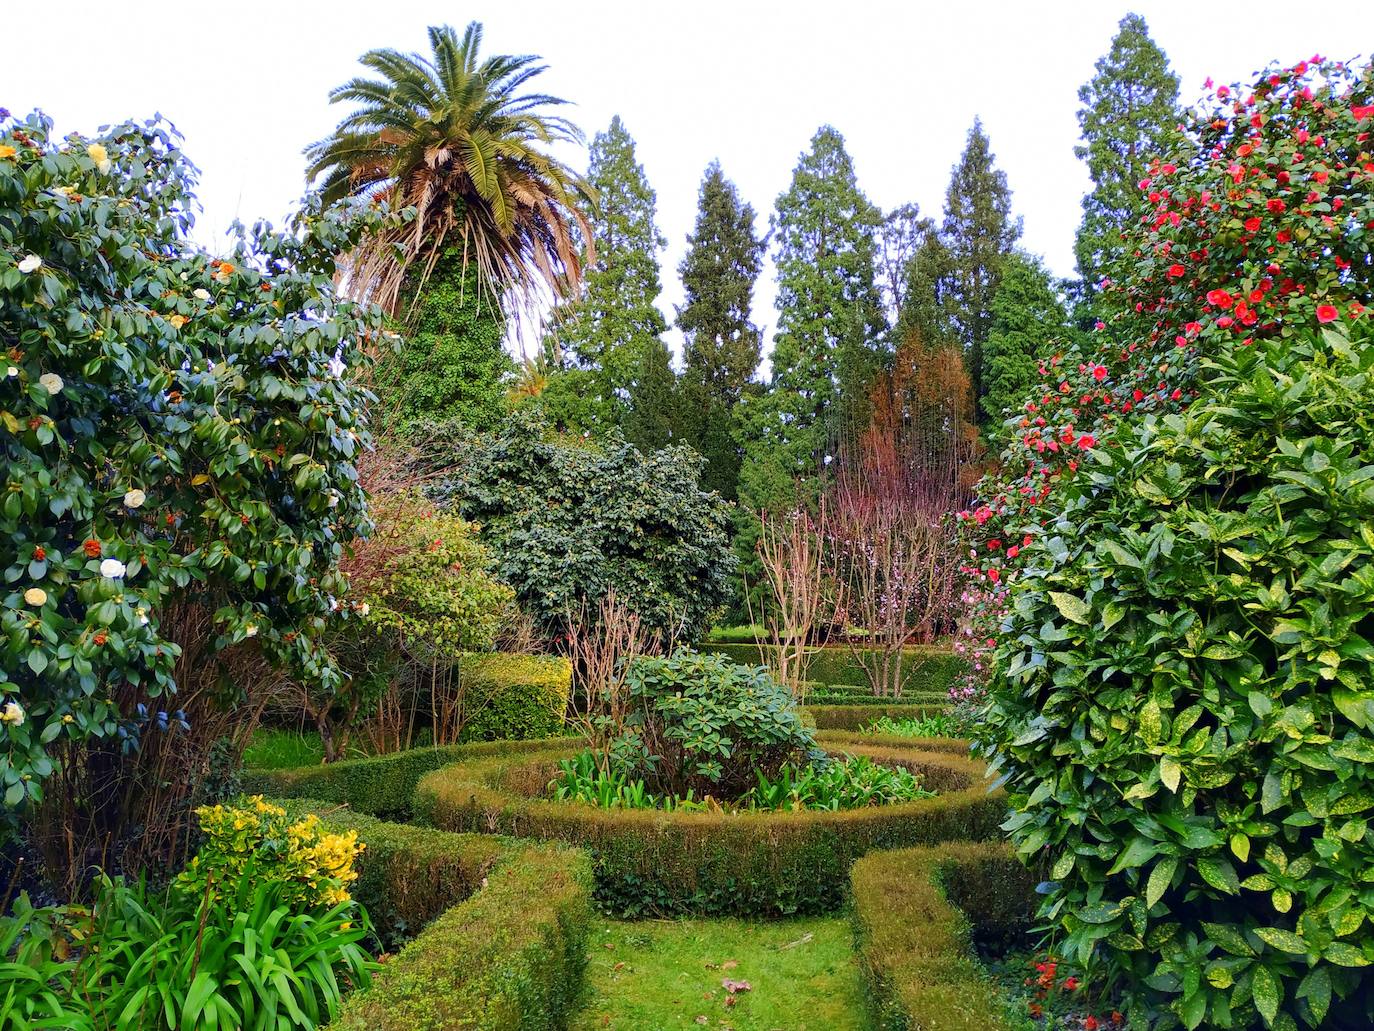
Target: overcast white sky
744,81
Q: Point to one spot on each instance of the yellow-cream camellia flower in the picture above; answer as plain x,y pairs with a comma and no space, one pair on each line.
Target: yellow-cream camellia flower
97,153
36,596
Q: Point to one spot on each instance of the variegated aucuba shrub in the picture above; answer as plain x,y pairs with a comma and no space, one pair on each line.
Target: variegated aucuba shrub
1185,711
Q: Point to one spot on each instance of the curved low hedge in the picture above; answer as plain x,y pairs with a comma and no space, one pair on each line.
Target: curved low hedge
507,946
917,914
931,668
654,862
380,785
856,717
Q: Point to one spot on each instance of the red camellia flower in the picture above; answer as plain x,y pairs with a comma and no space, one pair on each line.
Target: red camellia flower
1086,441
91,548
39,554
1362,112
1090,1023
1252,224
1327,313
1275,205
1175,271
1219,298
1099,372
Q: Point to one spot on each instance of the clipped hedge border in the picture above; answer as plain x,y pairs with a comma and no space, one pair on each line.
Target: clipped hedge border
929,668
649,862
506,943
514,697
379,785
917,913
857,717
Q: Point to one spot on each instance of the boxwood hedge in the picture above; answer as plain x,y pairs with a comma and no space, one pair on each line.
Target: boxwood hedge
505,944
929,670
917,914
514,697
652,862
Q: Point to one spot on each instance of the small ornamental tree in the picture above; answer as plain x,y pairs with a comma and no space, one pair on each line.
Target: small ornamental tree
177,436
1173,576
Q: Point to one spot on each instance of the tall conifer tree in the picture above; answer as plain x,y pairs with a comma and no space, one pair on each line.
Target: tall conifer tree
1129,115
614,330
1029,319
721,349
831,333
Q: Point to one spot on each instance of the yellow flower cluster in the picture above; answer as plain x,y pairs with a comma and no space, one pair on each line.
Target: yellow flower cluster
258,839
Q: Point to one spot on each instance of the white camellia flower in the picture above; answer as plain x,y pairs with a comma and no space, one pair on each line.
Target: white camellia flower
11,372
36,596
32,263
142,614
251,630
135,498
112,568
51,382
364,609
12,713
201,293
333,501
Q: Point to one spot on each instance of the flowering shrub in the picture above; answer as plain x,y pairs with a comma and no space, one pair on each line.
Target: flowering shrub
256,838
1174,578
176,429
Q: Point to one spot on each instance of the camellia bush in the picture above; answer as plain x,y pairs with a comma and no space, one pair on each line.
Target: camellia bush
1173,576
570,521
178,436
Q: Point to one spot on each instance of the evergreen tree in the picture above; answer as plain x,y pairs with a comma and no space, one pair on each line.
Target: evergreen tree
1029,319
1129,115
651,415
613,328
831,334
721,351
956,271
453,362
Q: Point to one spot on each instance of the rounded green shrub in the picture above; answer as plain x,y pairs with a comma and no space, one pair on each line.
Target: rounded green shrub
514,697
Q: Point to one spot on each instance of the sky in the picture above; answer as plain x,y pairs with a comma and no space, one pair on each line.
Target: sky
746,82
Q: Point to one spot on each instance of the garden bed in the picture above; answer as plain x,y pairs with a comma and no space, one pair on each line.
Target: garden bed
743,863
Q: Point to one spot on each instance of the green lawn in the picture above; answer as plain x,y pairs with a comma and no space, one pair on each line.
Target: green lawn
275,749
652,974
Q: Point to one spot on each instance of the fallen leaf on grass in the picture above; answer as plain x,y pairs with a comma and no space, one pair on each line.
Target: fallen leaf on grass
736,986
729,964
702,1018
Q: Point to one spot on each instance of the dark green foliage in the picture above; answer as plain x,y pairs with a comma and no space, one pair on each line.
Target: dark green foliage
1185,716
721,349
652,417
1129,117
1028,320
831,333
927,671
453,362
705,725
955,273
568,521
613,329
655,862
514,697
918,913
510,957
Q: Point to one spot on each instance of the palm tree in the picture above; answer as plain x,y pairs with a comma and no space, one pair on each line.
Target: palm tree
451,136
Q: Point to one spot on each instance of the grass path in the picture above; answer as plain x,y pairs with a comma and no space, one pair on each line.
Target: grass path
666,974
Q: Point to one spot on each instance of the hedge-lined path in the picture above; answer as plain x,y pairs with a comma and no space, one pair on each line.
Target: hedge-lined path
665,974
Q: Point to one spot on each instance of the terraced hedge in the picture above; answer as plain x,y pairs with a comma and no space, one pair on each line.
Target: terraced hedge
505,926
857,717
917,914
652,862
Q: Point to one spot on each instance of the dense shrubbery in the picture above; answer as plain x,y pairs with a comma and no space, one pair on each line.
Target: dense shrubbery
570,521
927,671
1182,707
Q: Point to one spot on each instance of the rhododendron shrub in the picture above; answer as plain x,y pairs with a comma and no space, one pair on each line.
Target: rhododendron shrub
1171,580
175,431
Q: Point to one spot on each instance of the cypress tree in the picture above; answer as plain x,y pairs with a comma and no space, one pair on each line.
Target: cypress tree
831,334
614,328
721,351
1029,319
1129,115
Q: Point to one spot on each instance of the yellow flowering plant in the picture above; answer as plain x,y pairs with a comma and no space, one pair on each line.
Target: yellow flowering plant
258,840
